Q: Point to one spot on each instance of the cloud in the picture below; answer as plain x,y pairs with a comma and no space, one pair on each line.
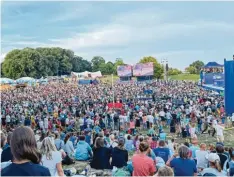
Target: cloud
2,57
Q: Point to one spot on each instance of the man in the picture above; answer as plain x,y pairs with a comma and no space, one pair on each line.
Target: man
83,150
201,154
162,151
6,153
219,129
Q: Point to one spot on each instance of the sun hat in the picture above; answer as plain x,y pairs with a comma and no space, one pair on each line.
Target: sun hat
212,157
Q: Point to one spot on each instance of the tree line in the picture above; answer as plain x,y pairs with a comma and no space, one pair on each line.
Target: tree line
55,61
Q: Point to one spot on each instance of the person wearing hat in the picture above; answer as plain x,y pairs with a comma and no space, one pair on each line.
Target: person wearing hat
214,166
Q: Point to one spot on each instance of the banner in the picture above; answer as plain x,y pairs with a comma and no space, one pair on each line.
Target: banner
210,78
229,87
143,69
124,70
115,105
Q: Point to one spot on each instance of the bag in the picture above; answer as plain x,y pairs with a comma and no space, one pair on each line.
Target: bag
122,172
67,160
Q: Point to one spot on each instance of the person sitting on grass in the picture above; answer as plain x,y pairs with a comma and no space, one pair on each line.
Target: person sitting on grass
83,150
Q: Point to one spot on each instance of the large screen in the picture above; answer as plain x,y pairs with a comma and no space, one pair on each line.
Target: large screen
143,69
124,70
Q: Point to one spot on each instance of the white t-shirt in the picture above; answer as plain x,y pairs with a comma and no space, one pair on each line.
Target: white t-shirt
67,121
219,130
150,118
46,123
51,164
8,119
162,114
140,114
202,161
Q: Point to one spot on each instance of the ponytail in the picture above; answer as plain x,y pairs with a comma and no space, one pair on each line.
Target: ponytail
218,166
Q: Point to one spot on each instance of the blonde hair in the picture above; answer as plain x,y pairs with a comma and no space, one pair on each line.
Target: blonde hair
165,171
217,165
48,147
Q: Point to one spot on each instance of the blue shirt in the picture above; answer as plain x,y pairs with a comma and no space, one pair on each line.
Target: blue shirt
164,153
83,151
183,167
193,149
25,169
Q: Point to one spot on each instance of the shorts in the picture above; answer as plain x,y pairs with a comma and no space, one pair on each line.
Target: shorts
220,138
163,119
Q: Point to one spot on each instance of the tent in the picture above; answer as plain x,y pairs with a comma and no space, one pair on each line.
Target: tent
212,65
6,81
25,80
87,74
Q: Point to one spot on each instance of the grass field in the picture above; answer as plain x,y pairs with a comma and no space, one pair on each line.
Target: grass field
192,77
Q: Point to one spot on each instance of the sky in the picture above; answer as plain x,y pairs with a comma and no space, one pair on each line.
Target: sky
181,32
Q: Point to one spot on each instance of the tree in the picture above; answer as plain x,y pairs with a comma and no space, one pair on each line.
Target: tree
191,70
158,69
197,65
173,71
96,63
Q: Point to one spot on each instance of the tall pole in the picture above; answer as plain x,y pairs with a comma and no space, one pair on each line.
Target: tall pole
112,83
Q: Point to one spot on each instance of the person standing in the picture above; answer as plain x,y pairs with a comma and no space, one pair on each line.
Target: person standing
220,136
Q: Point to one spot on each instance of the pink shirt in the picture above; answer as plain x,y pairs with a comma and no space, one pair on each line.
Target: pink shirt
142,165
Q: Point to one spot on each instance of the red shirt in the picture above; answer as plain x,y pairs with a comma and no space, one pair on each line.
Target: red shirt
153,145
142,165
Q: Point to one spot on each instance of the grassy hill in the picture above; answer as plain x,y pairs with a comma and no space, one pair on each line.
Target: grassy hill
193,77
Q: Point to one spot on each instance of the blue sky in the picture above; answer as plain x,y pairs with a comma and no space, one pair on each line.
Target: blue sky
180,32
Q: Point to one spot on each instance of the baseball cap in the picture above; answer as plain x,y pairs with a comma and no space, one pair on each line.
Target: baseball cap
212,157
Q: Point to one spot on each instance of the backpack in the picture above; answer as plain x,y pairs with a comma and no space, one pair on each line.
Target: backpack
122,172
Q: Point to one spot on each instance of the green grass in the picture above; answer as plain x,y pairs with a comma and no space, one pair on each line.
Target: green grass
108,79
192,77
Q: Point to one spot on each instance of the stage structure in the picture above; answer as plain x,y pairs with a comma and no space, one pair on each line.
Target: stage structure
125,73
212,77
229,86
143,71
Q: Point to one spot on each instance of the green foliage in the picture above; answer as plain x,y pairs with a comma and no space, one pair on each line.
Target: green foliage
97,61
42,62
174,71
191,70
195,67
158,69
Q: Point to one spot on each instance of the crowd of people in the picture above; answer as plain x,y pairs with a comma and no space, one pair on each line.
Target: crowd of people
154,132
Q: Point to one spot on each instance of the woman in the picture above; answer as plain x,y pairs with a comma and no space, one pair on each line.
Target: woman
25,154
142,164
165,171
101,155
214,166
119,155
183,166
68,146
51,158
129,144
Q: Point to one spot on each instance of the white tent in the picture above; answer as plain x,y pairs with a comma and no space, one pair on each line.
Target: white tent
87,74
6,81
25,80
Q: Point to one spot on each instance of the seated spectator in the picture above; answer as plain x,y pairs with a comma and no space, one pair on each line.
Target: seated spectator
68,146
214,166
6,153
83,150
162,151
101,155
165,171
223,158
142,164
201,154
153,143
113,142
51,158
129,144
119,155
183,166
25,154
231,163
58,142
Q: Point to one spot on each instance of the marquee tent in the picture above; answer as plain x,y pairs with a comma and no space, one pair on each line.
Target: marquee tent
212,65
6,81
87,74
25,80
